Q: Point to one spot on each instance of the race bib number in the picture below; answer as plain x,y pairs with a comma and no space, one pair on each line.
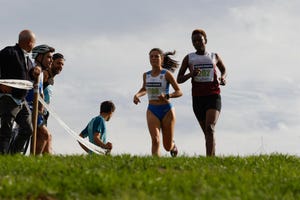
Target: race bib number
206,74
153,90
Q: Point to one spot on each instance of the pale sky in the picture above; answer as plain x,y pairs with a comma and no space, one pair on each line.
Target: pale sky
106,45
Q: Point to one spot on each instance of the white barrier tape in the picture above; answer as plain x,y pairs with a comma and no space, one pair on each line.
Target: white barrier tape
89,145
16,83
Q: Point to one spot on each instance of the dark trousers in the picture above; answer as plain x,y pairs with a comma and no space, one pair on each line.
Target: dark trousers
10,111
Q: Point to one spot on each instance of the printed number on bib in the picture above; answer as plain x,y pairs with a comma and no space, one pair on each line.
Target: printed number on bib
206,74
154,92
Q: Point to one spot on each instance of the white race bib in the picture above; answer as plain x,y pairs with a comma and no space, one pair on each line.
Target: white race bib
154,90
206,74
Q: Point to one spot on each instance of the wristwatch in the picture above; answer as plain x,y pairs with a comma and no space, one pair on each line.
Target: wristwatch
167,96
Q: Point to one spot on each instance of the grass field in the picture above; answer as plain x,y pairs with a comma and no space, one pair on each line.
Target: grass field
142,177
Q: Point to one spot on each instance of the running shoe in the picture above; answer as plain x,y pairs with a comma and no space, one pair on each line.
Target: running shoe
174,151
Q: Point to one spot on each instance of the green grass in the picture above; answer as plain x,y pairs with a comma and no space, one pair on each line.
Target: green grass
137,177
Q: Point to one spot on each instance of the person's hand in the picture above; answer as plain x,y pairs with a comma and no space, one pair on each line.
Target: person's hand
136,100
36,71
196,72
163,97
108,146
5,89
222,81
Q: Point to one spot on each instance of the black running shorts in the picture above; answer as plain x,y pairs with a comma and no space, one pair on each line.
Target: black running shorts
203,103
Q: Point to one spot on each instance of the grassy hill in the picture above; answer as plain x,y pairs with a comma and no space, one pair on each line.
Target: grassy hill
137,177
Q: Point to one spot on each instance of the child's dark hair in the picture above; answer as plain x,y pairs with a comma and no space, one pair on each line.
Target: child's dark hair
200,31
57,56
169,63
107,107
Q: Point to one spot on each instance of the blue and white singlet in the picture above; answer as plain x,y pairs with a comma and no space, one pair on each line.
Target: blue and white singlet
157,85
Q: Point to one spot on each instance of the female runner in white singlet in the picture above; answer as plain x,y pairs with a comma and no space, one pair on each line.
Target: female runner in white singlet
160,112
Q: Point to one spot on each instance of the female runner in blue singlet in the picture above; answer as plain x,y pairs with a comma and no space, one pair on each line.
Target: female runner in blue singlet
160,112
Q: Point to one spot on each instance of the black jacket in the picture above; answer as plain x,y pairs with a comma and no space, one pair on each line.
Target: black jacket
13,66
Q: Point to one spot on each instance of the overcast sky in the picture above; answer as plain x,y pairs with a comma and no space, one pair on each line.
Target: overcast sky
106,45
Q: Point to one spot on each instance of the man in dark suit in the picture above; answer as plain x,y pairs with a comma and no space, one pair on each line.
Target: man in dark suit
15,64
